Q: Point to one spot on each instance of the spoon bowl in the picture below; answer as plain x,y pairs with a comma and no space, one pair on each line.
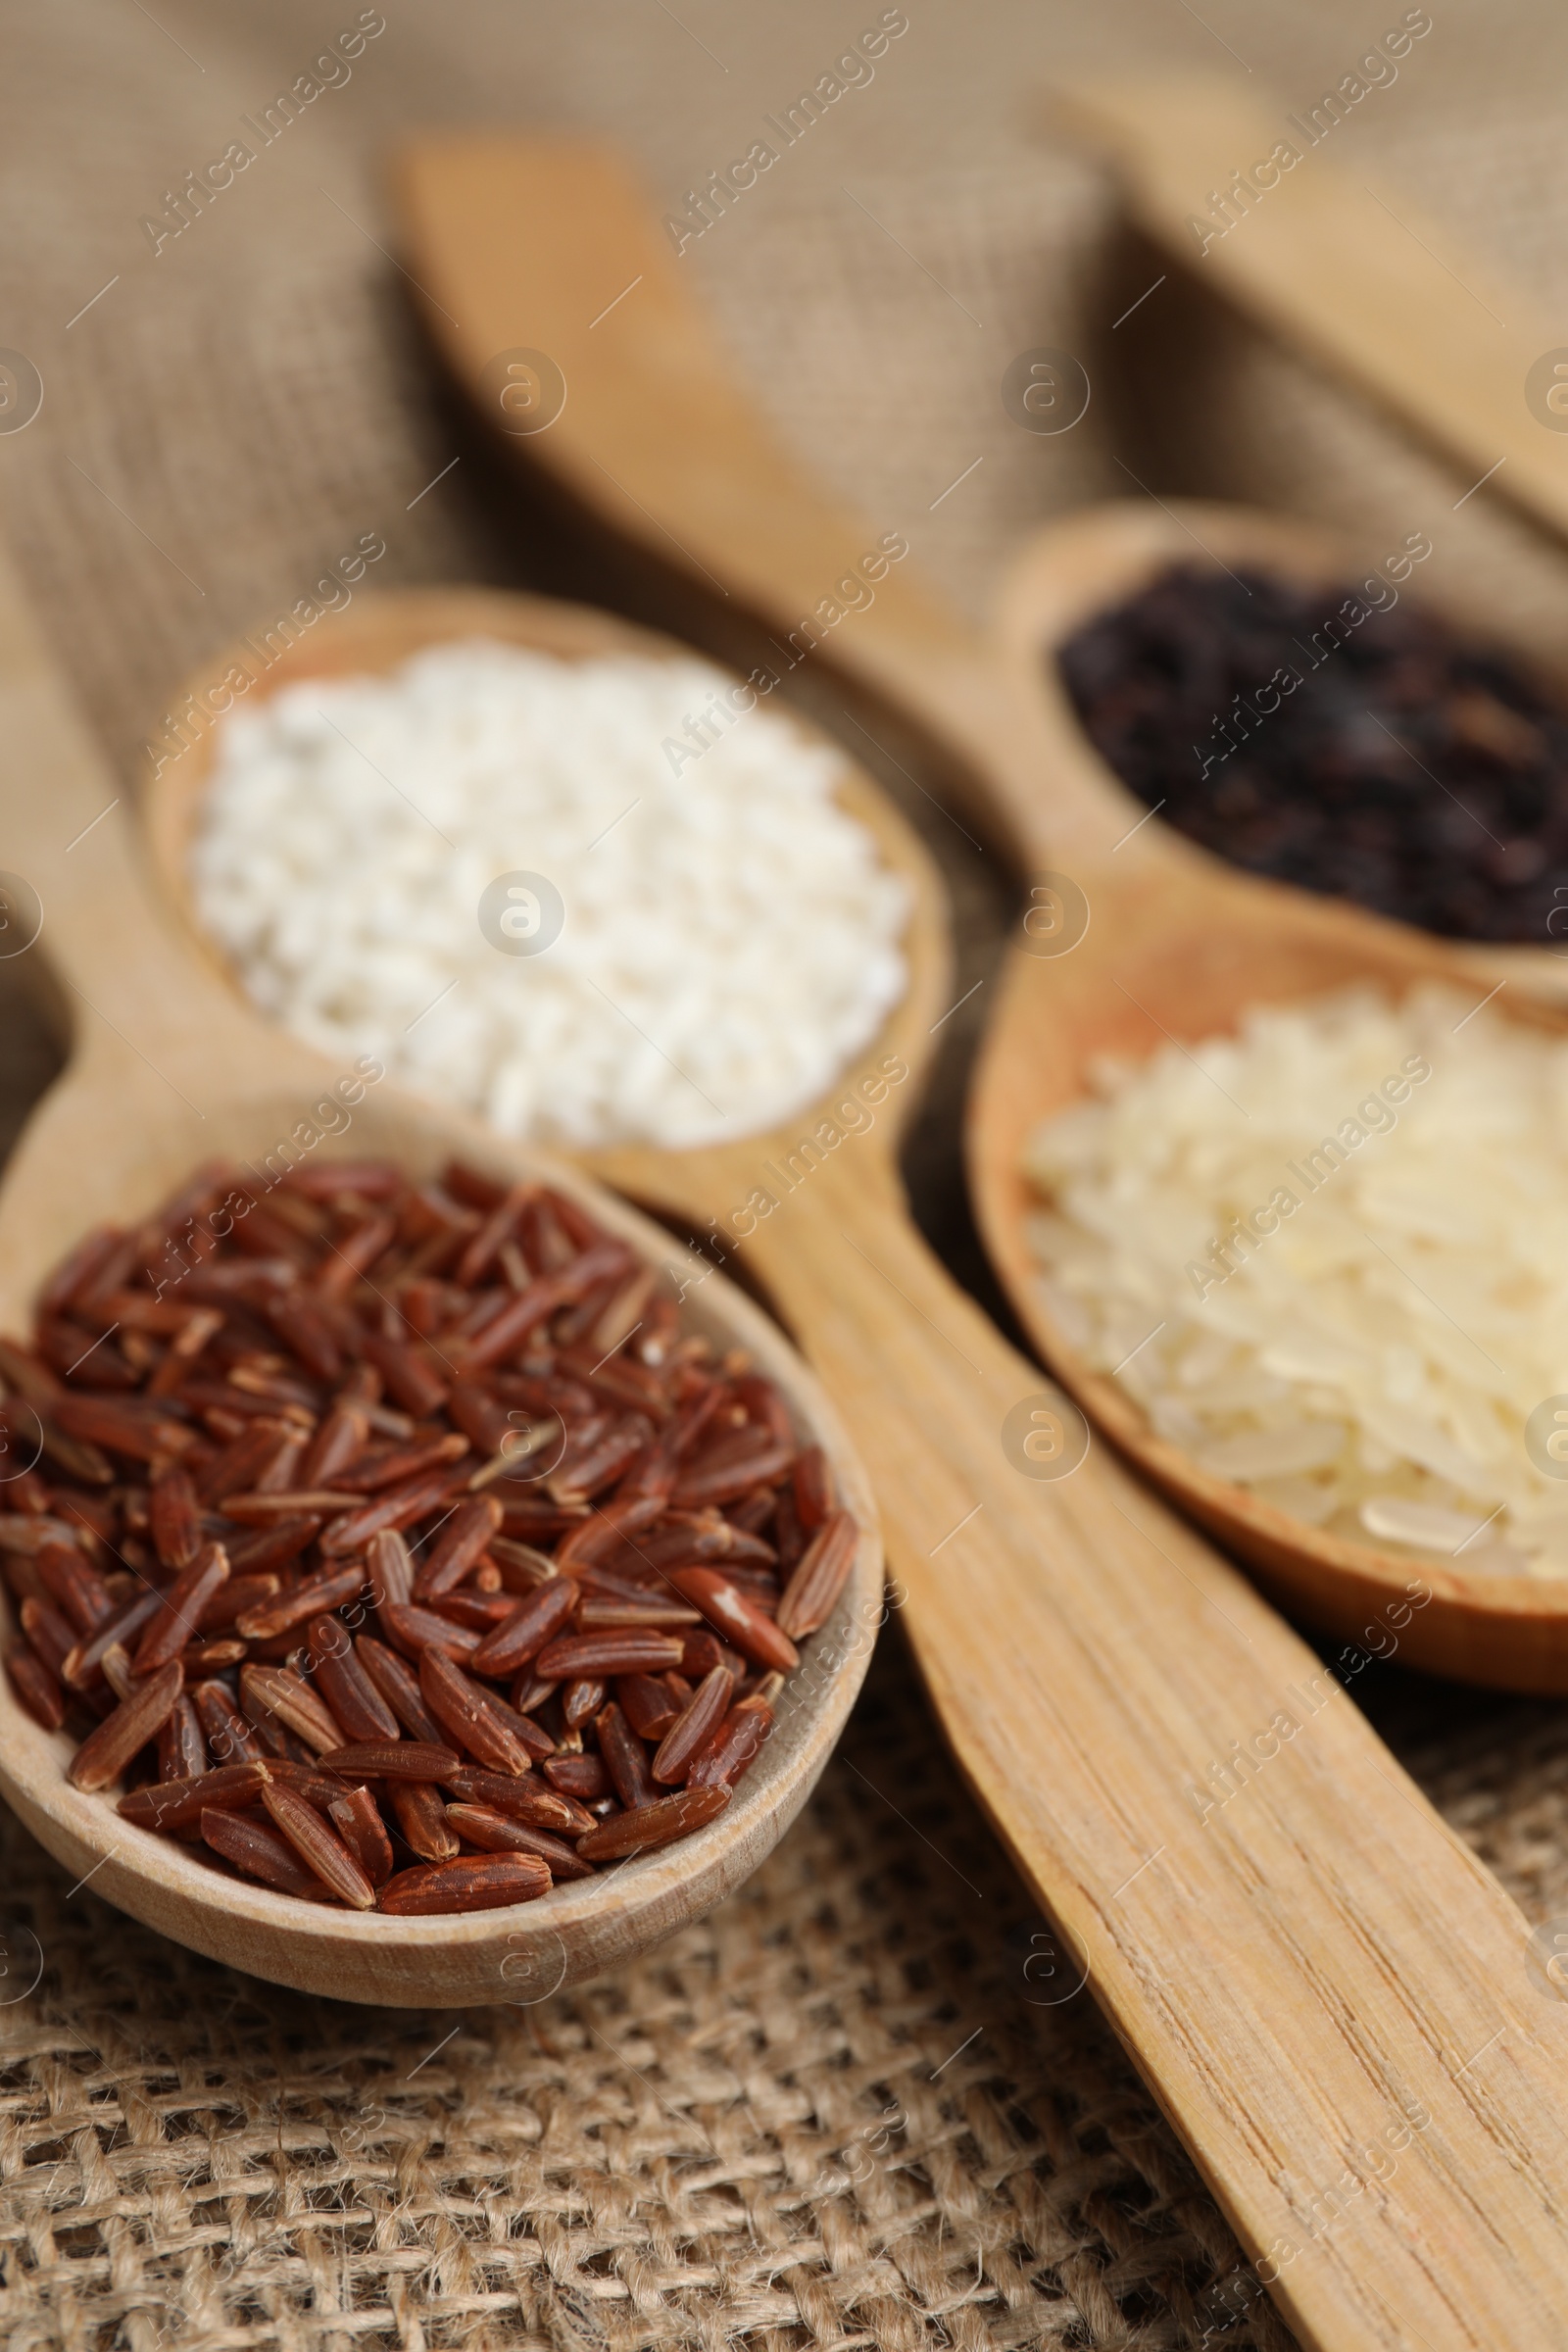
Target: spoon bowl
168,1070
1067,574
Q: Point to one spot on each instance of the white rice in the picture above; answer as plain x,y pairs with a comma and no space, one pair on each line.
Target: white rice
730,941
1397,1303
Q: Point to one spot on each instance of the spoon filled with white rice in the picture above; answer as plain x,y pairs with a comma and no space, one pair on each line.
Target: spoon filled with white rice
713,936
1328,1258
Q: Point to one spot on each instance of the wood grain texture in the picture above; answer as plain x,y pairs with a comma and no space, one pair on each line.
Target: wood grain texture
168,1070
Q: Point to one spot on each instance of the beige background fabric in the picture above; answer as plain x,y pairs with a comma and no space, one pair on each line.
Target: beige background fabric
847,2110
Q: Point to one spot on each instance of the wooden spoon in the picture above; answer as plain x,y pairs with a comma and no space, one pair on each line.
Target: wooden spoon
167,1071
1182,962
1303,1970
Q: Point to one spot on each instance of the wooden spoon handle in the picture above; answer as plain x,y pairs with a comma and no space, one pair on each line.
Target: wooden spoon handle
1247,1877
515,246
64,834
1360,278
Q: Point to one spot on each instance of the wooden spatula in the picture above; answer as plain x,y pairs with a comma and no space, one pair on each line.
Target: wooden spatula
1315,1977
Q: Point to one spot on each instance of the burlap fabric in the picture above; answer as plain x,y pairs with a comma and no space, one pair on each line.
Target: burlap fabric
853,2107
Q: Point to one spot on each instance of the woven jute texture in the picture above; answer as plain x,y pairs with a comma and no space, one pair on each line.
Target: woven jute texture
831,2114
865,2102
